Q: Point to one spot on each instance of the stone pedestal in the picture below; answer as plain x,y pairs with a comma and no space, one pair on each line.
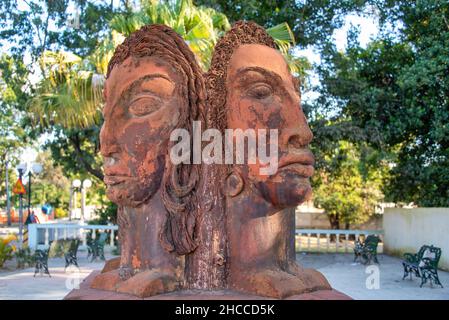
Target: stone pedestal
87,293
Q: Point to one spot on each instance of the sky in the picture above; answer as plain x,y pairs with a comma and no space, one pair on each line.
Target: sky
368,29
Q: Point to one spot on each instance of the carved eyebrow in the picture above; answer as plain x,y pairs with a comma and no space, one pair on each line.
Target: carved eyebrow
273,76
135,84
140,80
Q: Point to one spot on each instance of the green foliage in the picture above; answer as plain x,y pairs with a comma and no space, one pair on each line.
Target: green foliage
34,26
77,151
5,253
67,94
200,27
312,21
6,250
395,91
348,184
13,136
59,247
60,213
24,258
106,214
51,186
380,121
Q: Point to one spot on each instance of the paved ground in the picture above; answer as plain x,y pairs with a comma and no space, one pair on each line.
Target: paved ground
351,278
22,285
343,275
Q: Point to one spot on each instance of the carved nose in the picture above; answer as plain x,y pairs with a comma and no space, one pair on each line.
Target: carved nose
109,161
109,147
297,138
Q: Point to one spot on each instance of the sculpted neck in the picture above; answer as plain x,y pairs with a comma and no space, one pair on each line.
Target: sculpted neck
140,229
256,231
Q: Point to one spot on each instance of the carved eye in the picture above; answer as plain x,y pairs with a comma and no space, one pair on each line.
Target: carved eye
144,106
260,91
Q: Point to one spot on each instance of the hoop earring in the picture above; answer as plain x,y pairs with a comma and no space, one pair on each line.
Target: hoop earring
234,184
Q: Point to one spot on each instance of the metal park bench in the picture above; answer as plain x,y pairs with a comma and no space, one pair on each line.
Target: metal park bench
41,258
70,255
95,249
423,264
367,250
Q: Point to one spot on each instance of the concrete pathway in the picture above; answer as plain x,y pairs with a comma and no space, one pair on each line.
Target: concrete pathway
21,285
343,275
355,279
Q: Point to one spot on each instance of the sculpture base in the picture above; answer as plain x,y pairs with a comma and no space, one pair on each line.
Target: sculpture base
87,293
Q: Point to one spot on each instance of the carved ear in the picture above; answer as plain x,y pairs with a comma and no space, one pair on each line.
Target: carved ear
234,184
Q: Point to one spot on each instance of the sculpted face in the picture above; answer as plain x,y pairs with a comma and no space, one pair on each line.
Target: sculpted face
262,95
143,102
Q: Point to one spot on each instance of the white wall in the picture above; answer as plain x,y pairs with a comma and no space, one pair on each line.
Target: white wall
406,230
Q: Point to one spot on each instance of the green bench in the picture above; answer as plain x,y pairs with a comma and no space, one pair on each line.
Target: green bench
95,248
41,259
70,255
367,250
423,264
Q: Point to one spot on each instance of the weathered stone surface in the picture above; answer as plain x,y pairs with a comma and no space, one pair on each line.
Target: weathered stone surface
86,292
153,86
106,280
111,264
261,93
212,226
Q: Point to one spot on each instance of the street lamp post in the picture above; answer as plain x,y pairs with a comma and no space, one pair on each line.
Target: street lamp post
35,168
86,185
8,202
82,186
75,185
21,168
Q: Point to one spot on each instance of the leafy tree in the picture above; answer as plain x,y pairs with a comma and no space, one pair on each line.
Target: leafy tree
51,185
67,95
395,91
348,185
27,30
36,26
312,21
77,151
107,213
13,137
201,26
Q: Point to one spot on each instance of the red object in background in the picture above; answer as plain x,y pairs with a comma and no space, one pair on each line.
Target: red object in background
14,217
40,217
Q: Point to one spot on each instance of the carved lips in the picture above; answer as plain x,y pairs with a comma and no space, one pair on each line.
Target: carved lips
301,162
115,180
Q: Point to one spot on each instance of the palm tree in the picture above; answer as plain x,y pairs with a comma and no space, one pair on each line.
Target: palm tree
66,95
201,27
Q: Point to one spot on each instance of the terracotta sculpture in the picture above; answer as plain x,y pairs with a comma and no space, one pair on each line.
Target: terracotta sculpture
153,86
209,226
250,87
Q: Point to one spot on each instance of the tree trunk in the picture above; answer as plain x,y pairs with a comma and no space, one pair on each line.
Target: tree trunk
335,225
206,266
80,157
334,221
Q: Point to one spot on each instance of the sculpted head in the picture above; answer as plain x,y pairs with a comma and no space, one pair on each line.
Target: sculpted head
153,86
261,93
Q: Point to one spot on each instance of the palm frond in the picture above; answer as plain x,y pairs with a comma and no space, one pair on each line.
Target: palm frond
66,95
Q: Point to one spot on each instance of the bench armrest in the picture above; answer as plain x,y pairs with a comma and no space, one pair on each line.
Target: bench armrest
411,257
428,263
